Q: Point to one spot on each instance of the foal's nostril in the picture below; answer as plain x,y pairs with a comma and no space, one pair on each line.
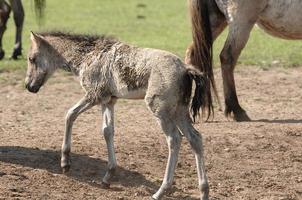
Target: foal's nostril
33,89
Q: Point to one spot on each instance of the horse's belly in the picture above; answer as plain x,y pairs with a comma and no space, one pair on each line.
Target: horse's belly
282,18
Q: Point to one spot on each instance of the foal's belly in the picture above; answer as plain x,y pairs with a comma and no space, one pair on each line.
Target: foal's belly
282,18
124,93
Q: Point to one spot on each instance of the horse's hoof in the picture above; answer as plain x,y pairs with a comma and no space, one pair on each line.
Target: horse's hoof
241,117
105,185
16,53
2,53
65,169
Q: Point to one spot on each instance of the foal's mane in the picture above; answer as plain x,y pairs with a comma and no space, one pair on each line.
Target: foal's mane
86,41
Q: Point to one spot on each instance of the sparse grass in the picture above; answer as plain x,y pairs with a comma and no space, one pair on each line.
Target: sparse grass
156,23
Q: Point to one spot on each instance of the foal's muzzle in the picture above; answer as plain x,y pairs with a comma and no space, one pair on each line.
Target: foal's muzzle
33,89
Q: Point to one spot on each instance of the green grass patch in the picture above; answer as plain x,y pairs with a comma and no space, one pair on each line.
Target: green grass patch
157,23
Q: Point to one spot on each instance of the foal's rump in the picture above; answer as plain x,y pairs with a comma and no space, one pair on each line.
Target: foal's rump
170,87
166,83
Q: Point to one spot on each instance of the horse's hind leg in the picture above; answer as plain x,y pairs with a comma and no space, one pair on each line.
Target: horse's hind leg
4,15
241,21
236,40
18,11
195,141
108,131
173,138
83,105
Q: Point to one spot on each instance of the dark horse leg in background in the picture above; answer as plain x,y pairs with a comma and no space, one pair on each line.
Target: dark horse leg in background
18,11
4,15
17,8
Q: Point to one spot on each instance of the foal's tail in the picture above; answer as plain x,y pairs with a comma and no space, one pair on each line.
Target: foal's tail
201,54
202,98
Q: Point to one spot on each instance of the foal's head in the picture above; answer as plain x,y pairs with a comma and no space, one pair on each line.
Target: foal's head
42,61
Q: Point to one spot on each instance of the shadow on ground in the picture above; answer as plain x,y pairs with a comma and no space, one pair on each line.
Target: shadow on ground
280,121
83,168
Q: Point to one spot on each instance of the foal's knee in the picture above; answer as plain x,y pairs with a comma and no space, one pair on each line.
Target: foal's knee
70,116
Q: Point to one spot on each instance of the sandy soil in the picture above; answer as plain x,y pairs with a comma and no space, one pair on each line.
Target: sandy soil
254,160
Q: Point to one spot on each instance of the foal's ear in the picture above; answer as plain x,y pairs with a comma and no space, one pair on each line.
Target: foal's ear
35,38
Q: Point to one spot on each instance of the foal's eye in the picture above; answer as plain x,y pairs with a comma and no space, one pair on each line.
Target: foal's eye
32,60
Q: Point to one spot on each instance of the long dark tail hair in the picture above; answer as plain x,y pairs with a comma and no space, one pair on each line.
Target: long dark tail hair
39,9
202,48
202,99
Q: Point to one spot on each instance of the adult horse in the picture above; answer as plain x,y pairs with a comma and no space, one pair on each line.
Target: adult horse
17,8
209,18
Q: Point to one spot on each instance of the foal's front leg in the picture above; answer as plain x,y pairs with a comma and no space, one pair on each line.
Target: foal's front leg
83,105
108,131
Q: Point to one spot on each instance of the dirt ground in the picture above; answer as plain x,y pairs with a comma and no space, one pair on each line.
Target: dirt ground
261,159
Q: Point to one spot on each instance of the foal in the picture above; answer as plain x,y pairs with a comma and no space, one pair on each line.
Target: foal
108,70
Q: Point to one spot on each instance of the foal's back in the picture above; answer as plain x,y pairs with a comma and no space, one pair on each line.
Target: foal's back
135,68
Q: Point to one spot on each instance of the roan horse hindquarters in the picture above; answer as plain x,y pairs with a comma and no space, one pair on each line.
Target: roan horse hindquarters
109,70
280,18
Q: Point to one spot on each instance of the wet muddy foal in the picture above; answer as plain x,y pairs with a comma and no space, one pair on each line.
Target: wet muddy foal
108,70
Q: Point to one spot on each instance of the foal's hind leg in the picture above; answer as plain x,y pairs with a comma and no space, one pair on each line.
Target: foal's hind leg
108,131
83,105
18,11
174,141
195,141
4,15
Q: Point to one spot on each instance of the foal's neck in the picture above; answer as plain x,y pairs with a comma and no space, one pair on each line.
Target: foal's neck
74,53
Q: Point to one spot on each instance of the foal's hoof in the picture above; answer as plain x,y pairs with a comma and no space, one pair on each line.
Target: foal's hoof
2,53
105,185
65,169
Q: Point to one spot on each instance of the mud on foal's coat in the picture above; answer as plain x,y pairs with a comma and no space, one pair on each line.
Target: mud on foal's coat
109,70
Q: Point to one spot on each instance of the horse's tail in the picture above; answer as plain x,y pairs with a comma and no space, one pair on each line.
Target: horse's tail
201,54
202,99
39,9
